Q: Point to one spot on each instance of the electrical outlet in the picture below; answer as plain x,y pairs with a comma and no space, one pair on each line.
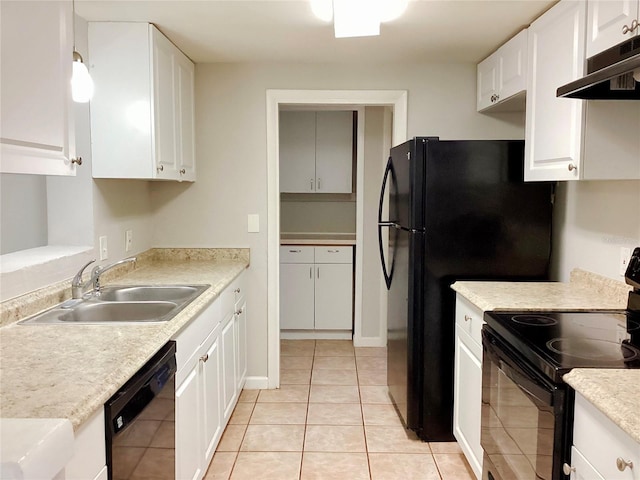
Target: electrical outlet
625,256
104,251
128,240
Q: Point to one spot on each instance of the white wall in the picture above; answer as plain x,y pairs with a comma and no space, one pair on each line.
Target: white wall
231,152
23,210
592,221
301,216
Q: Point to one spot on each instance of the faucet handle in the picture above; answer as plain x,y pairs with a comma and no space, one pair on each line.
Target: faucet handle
77,280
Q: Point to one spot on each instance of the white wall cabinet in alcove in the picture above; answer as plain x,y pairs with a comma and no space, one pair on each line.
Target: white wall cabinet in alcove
316,151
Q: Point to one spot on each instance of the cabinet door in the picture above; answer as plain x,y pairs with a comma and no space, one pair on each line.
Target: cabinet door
583,470
185,117
605,20
512,59
228,367
334,152
188,437
487,82
36,117
164,105
297,152
240,321
334,297
296,296
211,396
554,125
467,401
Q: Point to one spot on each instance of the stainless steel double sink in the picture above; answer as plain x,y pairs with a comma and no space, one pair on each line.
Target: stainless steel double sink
121,304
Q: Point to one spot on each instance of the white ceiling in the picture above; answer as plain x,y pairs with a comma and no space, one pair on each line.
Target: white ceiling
287,31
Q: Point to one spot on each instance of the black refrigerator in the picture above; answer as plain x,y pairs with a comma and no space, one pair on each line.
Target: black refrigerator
457,210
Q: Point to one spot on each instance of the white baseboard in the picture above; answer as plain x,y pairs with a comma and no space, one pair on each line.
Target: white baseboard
316,334
369,342
256,383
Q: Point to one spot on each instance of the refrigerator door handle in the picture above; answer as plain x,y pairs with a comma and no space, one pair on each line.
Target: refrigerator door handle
388,173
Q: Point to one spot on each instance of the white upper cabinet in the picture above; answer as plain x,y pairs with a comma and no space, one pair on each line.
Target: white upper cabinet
316,151
36,108
502,77
606,21
553,133
572,139
142,113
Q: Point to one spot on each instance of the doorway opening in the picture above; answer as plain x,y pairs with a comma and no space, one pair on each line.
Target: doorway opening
395,103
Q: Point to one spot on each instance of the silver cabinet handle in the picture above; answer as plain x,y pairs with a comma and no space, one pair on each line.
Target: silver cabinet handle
295,251
622,464
204,358
318,272
567,469
310,272
239,312
77,161
629,29
318,185
237,290
160,168
467,318
311,184
571,167
333,251
182,171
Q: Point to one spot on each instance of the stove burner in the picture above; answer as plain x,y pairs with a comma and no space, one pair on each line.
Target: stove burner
592,349
534,320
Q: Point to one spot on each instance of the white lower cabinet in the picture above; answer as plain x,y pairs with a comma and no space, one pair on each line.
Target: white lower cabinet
601,449
467,393
229,386
89,461
211,408
208,353
188,447
316,288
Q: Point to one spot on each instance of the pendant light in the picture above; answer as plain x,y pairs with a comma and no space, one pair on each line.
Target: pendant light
81,82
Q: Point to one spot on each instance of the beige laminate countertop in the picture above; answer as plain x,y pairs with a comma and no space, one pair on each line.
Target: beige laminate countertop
614,392
69,371
317,238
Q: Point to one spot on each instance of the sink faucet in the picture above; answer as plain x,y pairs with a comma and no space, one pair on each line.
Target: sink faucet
78,287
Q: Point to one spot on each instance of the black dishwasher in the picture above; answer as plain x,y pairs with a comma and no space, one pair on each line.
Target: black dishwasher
140,419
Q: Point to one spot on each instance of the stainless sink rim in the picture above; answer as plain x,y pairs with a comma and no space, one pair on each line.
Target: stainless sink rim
52,316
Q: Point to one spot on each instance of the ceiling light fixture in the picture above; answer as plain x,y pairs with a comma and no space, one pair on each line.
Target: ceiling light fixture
81,82
357,18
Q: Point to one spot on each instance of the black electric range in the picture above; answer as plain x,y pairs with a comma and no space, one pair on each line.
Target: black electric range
527,410
556,342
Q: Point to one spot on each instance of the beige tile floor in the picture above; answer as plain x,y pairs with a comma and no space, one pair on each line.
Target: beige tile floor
331,419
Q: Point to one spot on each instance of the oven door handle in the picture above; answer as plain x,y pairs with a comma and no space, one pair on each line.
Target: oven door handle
530,388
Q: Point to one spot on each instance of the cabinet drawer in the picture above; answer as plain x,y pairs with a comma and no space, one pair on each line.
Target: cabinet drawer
188,340
469,318
296,254
612,443
334,254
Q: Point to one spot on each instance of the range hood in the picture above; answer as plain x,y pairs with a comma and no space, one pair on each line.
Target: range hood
611,75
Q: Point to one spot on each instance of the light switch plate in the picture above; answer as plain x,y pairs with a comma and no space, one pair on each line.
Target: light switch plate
104,251
253,223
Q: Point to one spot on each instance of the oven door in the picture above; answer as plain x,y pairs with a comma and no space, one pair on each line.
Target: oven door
523,425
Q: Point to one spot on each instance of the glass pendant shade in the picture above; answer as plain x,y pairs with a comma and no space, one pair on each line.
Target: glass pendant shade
81,82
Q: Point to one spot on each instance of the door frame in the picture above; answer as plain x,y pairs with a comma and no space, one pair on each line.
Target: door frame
356,99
